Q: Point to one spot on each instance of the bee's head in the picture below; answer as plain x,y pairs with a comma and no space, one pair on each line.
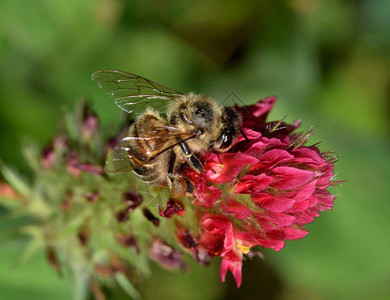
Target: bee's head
231,124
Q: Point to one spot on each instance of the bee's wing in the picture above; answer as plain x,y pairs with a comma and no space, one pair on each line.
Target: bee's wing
132,92
119,159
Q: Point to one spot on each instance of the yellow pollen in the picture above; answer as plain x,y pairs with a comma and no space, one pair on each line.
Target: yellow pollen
244,249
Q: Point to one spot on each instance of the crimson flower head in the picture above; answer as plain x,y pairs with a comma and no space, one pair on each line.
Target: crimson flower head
262,191
259,193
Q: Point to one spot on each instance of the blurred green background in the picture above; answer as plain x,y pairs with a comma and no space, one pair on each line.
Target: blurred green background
326,60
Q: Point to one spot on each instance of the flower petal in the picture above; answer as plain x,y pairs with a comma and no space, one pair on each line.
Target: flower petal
287,233
250,184
288,177
249,134
207,196
271,220
218,238
273,203
225,166
257,112
234,267
236,209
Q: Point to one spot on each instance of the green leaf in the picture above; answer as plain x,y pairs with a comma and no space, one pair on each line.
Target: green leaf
36,243
80,284
10,203
127,286
15,179
31,154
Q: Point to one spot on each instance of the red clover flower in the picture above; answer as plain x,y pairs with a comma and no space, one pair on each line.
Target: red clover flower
258,194
262,191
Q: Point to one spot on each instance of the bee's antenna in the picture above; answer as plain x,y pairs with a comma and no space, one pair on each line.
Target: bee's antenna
243,134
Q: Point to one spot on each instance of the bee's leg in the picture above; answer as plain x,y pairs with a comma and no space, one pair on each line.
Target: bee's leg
178,184
193,161
243,134
172,163
190,187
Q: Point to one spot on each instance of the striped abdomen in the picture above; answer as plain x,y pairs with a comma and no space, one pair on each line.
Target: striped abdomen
148,139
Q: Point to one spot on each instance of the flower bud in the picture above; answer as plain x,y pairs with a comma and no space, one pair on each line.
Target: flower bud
173,207
92,196
148,214
132,199
89,123
128,240
166,255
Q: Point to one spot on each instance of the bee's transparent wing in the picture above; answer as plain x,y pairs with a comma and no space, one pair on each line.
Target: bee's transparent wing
132,92
119,159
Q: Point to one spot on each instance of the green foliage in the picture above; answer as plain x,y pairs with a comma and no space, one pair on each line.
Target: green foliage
326,60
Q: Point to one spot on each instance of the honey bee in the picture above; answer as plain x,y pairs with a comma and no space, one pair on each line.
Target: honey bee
170,132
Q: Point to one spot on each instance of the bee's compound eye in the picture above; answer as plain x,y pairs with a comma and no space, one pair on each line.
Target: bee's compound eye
226,138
